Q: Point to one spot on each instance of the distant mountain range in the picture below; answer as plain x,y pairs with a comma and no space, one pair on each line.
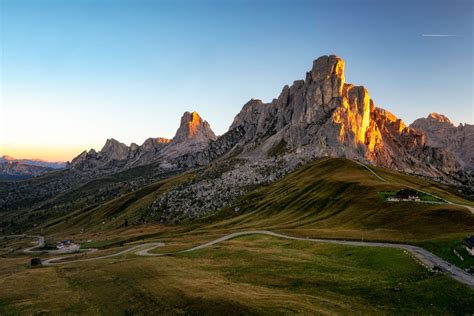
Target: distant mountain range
14,170
34,162
21,169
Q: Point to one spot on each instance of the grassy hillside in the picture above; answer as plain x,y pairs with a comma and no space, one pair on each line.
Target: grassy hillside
334,198
118,212
339,198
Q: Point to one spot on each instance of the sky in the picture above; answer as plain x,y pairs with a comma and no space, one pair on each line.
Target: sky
76,72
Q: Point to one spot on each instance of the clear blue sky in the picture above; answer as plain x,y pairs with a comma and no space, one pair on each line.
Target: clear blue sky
75,72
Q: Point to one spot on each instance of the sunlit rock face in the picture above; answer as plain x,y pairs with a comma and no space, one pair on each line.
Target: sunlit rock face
440,132
194,128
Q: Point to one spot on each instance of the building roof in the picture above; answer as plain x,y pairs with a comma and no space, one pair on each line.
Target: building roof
469,241
407,193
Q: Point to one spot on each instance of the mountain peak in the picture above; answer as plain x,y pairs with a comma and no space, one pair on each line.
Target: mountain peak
113,149
326,66
439,117
111,142
193,127
433,122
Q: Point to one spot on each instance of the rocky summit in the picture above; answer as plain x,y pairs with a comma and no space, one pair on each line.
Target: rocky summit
440,132
193,134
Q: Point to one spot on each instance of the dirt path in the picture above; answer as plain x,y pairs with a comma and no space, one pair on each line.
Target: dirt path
60,260
425,257
372,171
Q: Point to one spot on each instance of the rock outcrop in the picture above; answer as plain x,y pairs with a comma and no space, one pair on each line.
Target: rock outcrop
193,135
440,132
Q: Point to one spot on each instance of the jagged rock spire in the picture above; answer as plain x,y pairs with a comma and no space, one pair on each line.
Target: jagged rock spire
193,127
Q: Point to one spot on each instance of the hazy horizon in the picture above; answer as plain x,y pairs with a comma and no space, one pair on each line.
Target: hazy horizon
75,74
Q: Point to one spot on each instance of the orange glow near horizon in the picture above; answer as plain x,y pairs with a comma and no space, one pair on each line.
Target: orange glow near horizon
52,154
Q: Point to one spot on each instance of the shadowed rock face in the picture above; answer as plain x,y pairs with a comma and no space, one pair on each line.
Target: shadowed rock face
114,150
440,132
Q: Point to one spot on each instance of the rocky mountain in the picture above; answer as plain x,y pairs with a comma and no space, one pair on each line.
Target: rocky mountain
34,162
16,170
324,116
193,135
440,132
319,116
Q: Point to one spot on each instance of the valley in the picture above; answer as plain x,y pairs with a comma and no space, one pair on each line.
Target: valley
308,204
252,274
427,259
317,202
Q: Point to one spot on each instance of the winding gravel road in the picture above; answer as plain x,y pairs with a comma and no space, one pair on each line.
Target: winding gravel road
425,257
